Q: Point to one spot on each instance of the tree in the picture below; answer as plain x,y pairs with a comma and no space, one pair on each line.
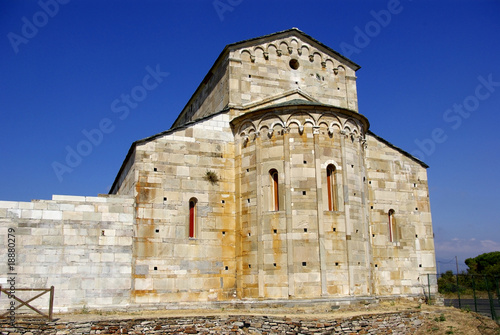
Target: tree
447,283
484,264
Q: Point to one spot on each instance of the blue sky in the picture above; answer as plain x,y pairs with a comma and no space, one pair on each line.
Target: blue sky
429,83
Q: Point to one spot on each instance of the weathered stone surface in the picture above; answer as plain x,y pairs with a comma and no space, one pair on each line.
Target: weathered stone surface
269,186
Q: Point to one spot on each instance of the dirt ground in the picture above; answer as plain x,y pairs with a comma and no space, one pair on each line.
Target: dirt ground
450,320
439,320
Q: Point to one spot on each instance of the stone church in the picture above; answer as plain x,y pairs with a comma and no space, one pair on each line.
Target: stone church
269,186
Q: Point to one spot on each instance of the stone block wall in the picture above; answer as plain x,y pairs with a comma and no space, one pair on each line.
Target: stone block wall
210,97
171,170
80,245
260,72
253,72
125,180
403,323
305,248
399,183
135,248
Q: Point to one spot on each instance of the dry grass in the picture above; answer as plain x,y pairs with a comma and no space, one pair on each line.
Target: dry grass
449,320
438,320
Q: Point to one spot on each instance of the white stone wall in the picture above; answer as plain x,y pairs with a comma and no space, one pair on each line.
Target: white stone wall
398,182
304,250
251,73
80,245
171,169
210,97
134,247
260,72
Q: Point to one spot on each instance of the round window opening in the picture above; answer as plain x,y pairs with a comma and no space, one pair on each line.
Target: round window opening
294,64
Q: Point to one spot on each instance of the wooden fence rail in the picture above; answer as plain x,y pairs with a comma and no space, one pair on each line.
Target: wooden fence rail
26,303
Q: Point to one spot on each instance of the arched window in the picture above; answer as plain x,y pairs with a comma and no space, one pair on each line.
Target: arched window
392,225
192,217
331,187
275,202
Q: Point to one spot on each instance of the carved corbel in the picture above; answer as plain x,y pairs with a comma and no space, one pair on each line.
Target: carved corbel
278,52
323,64
270,133
266,55
301,129
299,51
311,58
290,50
252,58
330,131
257,134
336,71
364,144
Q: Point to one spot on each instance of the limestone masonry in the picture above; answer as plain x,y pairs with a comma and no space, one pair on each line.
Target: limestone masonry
268,186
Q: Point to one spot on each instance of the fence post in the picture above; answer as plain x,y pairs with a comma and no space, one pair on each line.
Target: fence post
490,298
51,302
474,293
458,293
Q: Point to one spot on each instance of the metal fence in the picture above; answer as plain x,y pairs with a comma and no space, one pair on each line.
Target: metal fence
478,293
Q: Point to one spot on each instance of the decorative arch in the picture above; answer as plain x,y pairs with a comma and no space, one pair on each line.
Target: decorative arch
329,64
270,118
305,50
245,127
323,123
327,119
301,119
351,126
245,55
284,46
301,115
272,127
316,56
272,50
259,52
294,43
299,125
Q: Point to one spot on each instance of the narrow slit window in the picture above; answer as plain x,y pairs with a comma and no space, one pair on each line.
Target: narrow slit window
392,225
331,187
275,203
192,217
